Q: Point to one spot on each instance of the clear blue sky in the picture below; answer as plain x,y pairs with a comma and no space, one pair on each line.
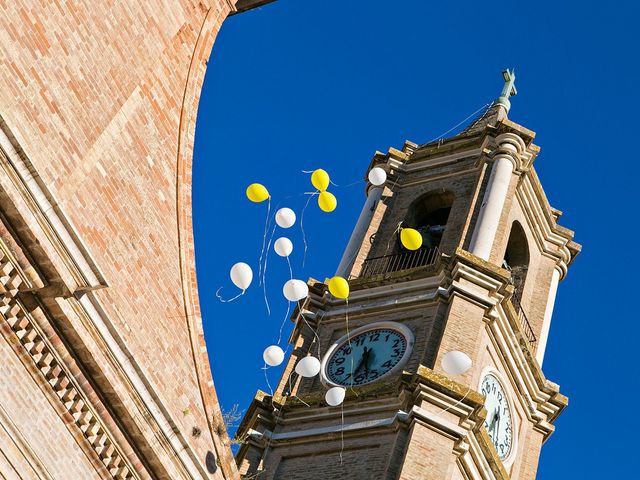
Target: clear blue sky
298,85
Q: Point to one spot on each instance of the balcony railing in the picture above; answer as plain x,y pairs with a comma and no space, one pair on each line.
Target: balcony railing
399,261
526,327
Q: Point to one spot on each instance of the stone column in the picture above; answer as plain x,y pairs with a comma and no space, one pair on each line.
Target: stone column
548,312
505,161
359,231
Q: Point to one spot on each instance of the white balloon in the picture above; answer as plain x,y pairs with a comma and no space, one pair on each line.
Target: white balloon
283,246
295,290
455,362
285,217
377,176
273,355
335,396
241,275
308,367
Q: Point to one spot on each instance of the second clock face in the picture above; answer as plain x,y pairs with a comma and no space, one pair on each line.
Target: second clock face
367,356
498,422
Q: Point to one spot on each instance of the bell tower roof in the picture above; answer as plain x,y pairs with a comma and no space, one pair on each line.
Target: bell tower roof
489,116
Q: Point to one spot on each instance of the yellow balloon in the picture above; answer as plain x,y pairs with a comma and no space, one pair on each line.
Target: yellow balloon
410,238
257,192
320,179
339,287
327,202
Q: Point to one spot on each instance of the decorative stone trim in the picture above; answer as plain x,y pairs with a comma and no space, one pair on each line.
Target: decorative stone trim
56,375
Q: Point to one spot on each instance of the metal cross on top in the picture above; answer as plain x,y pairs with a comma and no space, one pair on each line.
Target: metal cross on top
508,90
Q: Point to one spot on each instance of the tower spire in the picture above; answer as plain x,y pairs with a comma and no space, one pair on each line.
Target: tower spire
508,90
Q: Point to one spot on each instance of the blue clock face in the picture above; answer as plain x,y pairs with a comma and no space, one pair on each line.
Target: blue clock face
367,356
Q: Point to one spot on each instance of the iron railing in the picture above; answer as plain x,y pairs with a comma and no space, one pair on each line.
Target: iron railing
399,261
526,327
524,321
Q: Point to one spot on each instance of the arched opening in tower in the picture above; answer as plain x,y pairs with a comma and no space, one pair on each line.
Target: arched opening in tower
516,260
429,214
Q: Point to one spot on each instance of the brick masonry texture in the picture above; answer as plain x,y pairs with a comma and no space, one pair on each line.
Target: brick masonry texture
102,97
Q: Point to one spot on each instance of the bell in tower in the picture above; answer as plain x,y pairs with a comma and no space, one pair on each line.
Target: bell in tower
439,347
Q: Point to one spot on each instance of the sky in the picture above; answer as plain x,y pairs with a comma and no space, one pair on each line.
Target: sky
299,85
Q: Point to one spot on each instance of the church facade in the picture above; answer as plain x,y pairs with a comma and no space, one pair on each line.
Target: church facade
482,286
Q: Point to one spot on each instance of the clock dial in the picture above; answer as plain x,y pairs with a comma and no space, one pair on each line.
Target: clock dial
366,356
498,422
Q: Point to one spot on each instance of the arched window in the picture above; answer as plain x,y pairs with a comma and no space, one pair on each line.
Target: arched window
516,260
429,214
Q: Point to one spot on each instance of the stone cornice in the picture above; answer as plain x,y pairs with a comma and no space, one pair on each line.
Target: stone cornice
44,362
541,398
552,239
463,423
38,468
22,183
70,273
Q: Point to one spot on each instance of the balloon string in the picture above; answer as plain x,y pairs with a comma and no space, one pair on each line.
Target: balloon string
333,183
346,318
359,182
264,238
341,431
294,395
286,316
264,271
229,300
290,270
393,236
458,402
317,338
304,237
266,378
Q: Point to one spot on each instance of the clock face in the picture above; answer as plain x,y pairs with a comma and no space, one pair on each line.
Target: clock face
498,422
369,354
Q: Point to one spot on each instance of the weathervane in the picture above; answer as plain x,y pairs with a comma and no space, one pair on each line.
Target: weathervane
508,90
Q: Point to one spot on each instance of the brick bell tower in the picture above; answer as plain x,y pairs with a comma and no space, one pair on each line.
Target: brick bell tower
483,283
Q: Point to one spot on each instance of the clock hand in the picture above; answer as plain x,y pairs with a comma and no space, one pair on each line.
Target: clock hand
492,423
360,364
365,359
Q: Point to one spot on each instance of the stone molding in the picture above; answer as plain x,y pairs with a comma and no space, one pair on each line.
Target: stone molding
462,424
24,334
32,210
39,470
542,400
24,178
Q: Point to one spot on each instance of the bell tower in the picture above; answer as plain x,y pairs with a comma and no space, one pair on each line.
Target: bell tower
482,283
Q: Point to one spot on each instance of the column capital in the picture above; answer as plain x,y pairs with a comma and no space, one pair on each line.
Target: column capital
512,146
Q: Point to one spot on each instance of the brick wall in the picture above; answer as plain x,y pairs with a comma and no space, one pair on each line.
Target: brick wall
102,97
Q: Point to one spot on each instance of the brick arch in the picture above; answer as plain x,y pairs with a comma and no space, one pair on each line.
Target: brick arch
97,125
191,302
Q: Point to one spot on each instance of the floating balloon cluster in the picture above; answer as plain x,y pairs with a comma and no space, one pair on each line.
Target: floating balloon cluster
295,290
309,366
